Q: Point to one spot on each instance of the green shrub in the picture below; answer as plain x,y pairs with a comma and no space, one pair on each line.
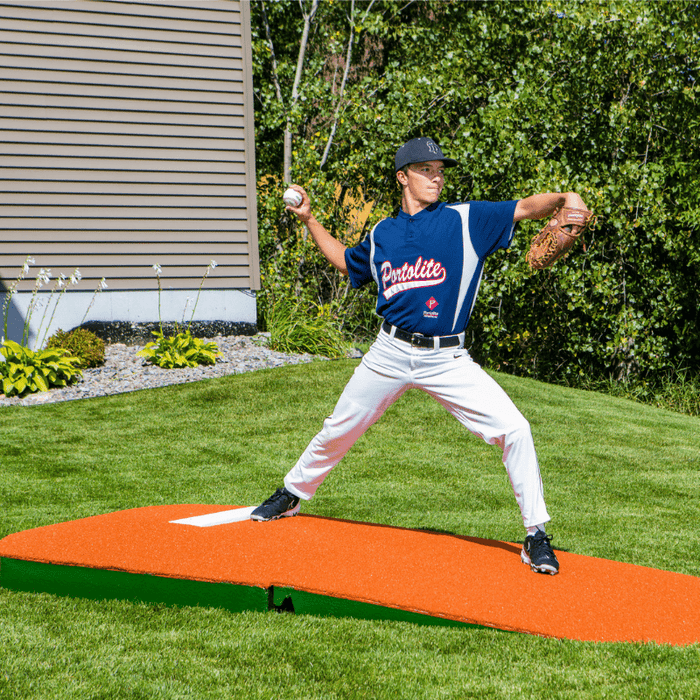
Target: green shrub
296,327
181,350
81,343
26,370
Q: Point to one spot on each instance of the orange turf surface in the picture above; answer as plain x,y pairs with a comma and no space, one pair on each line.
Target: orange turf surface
465,579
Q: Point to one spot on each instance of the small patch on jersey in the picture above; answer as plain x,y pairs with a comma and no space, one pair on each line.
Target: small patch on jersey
431,303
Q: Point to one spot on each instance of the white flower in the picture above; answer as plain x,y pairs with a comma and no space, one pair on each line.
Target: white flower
76,276
25,268
158,270
61,282
103,283
43,277
210,267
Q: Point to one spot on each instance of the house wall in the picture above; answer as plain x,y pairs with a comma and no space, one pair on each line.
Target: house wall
127,140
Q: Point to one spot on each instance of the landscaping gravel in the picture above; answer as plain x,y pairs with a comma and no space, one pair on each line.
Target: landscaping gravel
123,371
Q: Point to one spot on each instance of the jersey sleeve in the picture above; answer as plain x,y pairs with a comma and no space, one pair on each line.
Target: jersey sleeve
357,260
491,225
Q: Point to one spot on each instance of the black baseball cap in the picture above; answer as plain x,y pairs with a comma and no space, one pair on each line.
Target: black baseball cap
420,150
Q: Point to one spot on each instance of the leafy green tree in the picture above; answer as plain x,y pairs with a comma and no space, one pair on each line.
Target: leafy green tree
600,98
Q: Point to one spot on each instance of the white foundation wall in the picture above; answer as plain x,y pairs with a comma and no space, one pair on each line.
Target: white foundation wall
76,308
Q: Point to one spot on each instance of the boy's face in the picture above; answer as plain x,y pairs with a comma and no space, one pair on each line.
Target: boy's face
424,181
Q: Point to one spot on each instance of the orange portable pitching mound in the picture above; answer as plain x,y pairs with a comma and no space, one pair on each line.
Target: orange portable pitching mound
214,555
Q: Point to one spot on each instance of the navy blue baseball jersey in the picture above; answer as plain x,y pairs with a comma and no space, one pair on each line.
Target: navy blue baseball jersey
428,266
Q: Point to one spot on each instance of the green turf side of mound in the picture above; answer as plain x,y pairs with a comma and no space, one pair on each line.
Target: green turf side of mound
101,584
305,603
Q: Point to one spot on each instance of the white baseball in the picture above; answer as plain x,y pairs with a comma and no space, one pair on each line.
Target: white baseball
292,198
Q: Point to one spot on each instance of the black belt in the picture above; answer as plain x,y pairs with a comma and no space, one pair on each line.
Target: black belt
423,341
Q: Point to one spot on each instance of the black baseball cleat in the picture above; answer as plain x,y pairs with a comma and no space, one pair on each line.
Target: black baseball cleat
538,553
282,504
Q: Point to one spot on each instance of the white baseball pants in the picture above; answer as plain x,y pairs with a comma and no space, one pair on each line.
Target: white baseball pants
393,366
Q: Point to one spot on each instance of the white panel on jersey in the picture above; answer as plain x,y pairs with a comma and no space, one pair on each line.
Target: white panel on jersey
372,266
470,262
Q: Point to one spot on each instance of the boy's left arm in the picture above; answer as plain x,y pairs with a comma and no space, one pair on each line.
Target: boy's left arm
540,206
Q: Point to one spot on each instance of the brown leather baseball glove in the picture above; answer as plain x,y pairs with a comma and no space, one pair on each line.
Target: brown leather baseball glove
555,240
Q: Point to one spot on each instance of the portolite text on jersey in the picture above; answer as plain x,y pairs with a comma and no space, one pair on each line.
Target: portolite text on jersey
423,273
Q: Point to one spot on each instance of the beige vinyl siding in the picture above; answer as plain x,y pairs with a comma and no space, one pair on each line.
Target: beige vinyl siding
126,139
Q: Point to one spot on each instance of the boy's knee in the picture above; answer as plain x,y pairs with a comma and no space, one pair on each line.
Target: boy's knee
518,429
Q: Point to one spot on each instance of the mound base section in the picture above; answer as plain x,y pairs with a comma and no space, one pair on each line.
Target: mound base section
325,566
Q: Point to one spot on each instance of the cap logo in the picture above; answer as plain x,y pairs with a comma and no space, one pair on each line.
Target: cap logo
432,147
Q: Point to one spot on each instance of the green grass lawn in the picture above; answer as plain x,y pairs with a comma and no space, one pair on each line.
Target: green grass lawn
621,482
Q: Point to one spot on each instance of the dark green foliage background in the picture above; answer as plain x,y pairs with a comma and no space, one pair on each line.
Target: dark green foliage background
600,98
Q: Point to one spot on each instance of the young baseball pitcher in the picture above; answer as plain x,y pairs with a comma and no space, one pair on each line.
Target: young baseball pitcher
427,263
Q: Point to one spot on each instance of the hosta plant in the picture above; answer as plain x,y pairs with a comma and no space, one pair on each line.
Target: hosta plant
28,371
181,350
